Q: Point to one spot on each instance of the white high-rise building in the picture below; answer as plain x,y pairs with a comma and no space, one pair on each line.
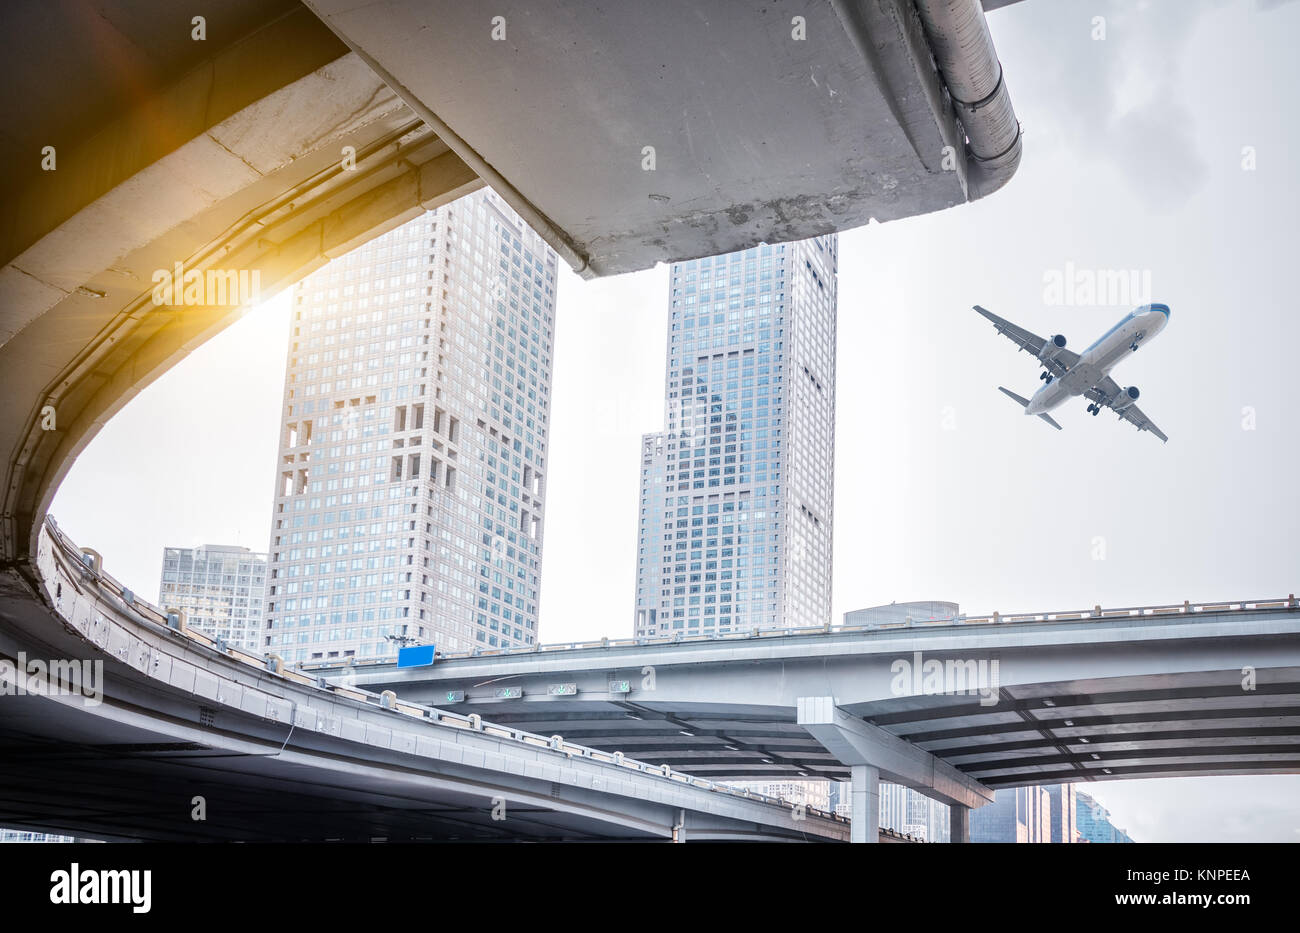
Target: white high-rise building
737,494
815,794
222,590
410,490
20,835
901,809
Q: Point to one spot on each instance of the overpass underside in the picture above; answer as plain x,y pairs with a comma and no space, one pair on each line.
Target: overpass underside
626,135
1200,723
280,153
1131,693
1093,731
955,710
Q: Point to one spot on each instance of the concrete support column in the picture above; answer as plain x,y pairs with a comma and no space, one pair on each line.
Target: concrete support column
865,795
679,828
855,742
958,823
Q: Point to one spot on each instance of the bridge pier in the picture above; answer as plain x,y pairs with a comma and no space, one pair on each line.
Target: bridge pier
958,823
871,752
865,797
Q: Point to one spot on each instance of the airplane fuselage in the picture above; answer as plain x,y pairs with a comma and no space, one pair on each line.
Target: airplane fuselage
1095,363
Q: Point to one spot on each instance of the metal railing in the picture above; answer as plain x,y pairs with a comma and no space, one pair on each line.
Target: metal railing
87,562
994,618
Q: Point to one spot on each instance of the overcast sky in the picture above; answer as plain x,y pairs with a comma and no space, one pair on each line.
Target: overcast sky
1135,158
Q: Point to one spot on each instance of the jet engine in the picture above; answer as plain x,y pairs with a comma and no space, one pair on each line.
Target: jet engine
1052,348
1126,398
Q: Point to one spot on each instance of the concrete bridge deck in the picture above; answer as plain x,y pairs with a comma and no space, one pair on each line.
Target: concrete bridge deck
1079,695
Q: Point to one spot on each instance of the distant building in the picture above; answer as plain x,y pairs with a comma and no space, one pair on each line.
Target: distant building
1043,814
893,806
21,835
1019,814
840,798
815,794
901,809
1063,799
920,611
222,590
1094,821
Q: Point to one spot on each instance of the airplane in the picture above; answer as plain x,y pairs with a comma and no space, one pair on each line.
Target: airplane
1067,374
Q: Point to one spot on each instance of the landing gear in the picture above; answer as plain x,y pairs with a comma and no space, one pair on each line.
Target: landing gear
1133,346
1093,410
1046,377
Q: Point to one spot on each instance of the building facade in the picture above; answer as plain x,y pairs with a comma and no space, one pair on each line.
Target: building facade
736,494
1063,800
927,819
901,613
1018,814
411,481
1094,821
21,835
906,811
814,794
222,590
901,809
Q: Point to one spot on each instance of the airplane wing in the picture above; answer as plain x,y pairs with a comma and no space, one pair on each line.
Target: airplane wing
1028,340
1107,392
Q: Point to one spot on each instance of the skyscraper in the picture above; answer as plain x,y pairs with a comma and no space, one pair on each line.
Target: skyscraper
893,806
736,494
1094,823
1064,803
222,590
410,485
1018,814
927,818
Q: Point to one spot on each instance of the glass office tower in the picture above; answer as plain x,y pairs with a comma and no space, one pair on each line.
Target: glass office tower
736,493
411,481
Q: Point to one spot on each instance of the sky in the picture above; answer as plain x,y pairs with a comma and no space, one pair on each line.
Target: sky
1160,149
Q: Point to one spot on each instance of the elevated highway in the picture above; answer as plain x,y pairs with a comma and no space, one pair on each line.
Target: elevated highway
955,709
179,726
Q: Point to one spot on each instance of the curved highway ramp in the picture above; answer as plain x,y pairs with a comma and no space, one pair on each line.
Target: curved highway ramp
180,738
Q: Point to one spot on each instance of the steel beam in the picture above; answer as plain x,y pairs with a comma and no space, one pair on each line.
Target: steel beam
855,742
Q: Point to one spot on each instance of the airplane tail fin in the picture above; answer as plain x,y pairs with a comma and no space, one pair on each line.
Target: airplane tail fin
1024,403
